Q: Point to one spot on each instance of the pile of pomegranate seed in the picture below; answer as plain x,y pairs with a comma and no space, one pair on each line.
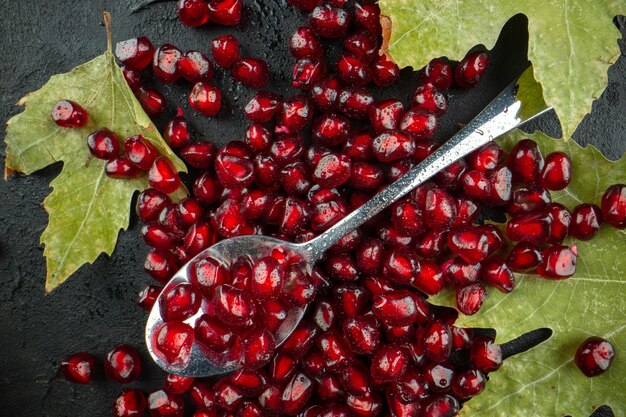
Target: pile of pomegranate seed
370,344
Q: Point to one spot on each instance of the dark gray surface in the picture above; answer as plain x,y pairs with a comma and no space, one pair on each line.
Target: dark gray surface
95,310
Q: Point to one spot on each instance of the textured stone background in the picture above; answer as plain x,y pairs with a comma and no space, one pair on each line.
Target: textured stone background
95,310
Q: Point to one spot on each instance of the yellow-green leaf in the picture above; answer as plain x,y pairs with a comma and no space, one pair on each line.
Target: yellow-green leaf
571,43
592,302
86,208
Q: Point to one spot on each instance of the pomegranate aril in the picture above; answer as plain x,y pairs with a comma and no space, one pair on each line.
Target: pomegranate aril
495,271
132,76
262,107
164,404
467,211
225,12
367,16
531,198
78,367
526,161
501,181
69,114
329,388
557,171
470,70
355,379
329,21
428,98
122,364
165,63
286,149
389,363
355,102
586,221
251,72
129,403
332,170
560,220
384,71
103,144
362,45
296,393
392,145
470,299
295,113
399,408
177,384
158,237
461,338
476,185
442,406
418,123
325,94
176,131
439,209
469,243
342,267
193,13
353,70
202,395
369,255
233,306
307,72
533,228
431,244
304,43
205,98
438,73
401,265
234,166
213,335
258,137
194,66
140,152
135,53
225,50
485,354
295,180
258,349
594,356
336,354
367,177
486,158
250,382
330,130
267,278
180,302
173,340
557,262
152,102
227,395
430,279
613,205
147,296
424,148
163,176
524,257
385,115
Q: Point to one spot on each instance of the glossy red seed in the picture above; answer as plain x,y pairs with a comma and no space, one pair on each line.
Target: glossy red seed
199,155
386,115
476,185
336,354
439,209
301,339
437,72
307,72
470,299
524,257
129,403
469,243
205,98
147,296
132,76
486,158
468,384
296,393
367,16
202,395
332,170
267,277
431,244
122,364
78,367
331,129
437,341
152,102
392,146
295,180
225,12
442,406
418,123
163,176
530,198
164,404
342,267
227,396
459,273
213,335
470,70
103,144
389,363
259,348
325,94
233,306
69,114
355,379
176,384
176,131
385,71
193,13
401,265
557,171
366,176
428,98
494,271
225,50
250,382
304,43
329,21
558,262
533,228
467,211
180,302
369,255
586,221
430,279
355,102
485,354
262,107
594,356
258,137
140,152
560,220
174,340
251,72
234,166
614,205
295,113
395,308
353,70
135,53
329,388
165,63
526,161
194,66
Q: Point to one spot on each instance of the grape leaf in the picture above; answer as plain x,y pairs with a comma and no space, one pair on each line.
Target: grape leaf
571,43
86,208
592,302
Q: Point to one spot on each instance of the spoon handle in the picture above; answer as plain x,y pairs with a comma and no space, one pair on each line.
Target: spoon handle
503,114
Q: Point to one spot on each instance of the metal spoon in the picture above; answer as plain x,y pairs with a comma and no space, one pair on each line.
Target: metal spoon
504,113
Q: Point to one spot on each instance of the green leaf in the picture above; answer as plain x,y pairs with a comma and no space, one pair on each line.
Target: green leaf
86,208
571,43
592,302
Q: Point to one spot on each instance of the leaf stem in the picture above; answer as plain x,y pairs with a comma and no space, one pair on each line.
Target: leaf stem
107,26
525,342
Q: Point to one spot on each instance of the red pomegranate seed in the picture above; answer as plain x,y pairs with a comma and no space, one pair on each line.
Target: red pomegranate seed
586,221
69,114
332,170
205,98
207,189
438,73
194,66
367,16
471,69
494,271
331,129
486,158
526,161
267,278
286,149
176,131
163,404
258,137
533,228
351,299
122,364
524,257
234,166
418,123
259,348
199,155
296,393
476,185
355,379
336,355
121,168
214,335
439,209
295,180
485,355
614,205
395,308
103,144
225,12
295,113
147,296
249,382
467,211
560,220
130,403
531,198
362,334
305,44
202,395
557,262
140,152
307,72
431,244
401,265
251,72
262,107
389,363
386,115
174,340
78,368
438,341
225,50
329,21
460,273
428,98
353,70
430,279
132,76
152,102
367,177
392,145
594,356
175,384
233,306
325,94
163,176
385,71
180,302
342,267
193,13
329,389
135,53
557,171
165,63
469,243
411,387
362,45
355,102
470,299
443,405
468,384
301,339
